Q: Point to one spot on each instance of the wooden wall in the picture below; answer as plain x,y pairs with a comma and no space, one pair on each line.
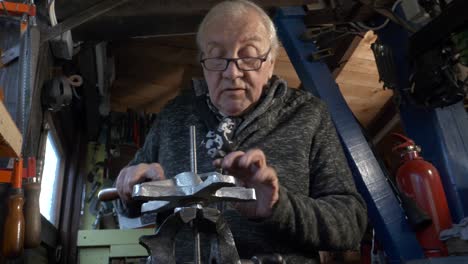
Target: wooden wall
151,71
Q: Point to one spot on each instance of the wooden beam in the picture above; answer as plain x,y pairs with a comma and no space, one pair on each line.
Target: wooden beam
11,139
66,9
124,27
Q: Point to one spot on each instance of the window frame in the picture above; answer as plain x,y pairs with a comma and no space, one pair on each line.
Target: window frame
50,128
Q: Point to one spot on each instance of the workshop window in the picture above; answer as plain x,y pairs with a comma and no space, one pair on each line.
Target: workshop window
51,182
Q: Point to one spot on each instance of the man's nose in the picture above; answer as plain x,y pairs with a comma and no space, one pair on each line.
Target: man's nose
232,71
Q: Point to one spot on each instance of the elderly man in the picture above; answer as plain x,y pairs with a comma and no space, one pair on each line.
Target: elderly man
277,140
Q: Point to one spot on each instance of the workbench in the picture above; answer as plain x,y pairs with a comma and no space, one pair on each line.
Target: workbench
99,246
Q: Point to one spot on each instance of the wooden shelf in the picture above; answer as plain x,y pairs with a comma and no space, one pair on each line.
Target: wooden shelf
11,139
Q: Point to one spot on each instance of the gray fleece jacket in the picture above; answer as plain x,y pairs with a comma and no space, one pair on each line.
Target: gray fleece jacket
318,208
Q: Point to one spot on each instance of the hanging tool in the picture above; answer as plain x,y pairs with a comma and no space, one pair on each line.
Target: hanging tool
419,180
9,55
13,234
32,214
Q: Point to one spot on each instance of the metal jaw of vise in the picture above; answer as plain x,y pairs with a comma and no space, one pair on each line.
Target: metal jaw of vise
189,192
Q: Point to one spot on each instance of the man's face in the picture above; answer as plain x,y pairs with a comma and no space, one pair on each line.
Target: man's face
234,91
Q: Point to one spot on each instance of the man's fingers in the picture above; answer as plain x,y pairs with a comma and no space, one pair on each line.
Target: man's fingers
154,172
217,163
252,157
231,160
132,175
120,183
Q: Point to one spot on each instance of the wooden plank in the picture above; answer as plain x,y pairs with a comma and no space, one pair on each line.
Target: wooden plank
358,79
130,250
286,71
98,255
361,65
68,8
107,237
10,136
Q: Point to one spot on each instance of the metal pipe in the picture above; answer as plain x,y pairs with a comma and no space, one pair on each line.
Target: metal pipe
193,149
193,168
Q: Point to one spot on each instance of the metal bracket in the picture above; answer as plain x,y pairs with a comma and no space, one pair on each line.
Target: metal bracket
80,18
321,54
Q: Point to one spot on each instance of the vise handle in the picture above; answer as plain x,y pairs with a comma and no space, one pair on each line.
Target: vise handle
108,194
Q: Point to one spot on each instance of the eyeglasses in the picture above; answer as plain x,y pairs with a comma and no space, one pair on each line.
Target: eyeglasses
243,64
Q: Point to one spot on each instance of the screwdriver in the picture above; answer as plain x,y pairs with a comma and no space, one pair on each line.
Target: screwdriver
32,214
13,229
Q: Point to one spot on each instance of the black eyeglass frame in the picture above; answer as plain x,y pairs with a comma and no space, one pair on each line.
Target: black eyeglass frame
262,59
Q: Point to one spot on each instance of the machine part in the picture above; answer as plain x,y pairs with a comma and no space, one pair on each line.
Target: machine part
108,194
385,64
321,54
268,259
209,220
57,93
414,12
420,180
439,29
80,18
62,45
75,80
92,193
9,55
435,83
387,8
101,68
312,34
186,189
384,209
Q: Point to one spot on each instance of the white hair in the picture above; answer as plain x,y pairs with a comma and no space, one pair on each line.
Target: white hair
238,9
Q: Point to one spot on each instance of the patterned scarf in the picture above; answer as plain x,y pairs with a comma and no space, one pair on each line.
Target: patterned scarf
218,142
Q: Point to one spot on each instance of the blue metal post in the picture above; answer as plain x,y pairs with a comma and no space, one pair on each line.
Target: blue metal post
442,133
384,210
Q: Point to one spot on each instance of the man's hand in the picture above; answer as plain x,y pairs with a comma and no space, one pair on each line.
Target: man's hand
251,170
129,176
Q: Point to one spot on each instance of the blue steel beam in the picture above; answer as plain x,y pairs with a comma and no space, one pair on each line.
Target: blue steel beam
384,210
442,133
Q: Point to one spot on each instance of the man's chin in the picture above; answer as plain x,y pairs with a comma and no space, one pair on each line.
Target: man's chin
234,110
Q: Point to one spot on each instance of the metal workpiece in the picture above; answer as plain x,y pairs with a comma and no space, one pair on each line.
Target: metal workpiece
189,192
188,188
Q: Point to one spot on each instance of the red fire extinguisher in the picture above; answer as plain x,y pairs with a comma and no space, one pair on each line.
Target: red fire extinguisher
419,180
